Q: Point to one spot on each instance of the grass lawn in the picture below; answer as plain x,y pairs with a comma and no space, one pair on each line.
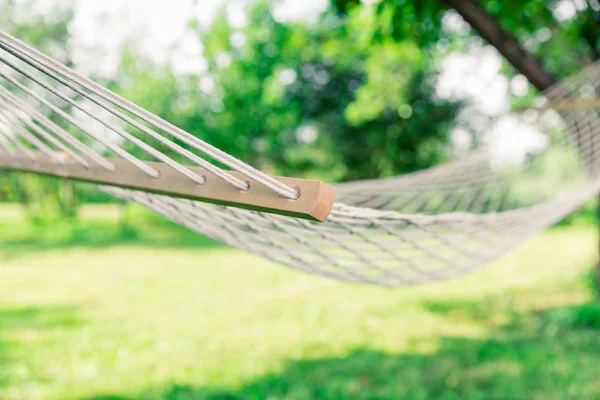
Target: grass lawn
93,311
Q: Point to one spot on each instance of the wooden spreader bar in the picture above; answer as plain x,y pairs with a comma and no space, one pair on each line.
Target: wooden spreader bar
315,201
572,104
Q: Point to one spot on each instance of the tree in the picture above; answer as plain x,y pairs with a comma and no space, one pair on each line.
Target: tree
317,100
561,35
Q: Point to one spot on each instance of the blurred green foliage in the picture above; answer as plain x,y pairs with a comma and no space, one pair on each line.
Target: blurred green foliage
317,99
314,100
350,96
563,40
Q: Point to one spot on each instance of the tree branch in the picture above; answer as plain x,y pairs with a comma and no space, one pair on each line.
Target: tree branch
490,30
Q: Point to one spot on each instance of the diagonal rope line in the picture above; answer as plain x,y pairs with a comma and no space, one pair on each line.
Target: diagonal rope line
55,129
15,142
144,146
35,142
9,100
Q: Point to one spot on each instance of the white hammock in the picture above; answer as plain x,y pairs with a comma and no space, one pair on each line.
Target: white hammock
421,227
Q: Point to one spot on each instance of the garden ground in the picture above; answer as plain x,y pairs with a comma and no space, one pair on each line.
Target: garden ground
98,309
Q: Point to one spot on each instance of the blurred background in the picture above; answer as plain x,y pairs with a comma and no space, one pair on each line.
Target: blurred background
104,300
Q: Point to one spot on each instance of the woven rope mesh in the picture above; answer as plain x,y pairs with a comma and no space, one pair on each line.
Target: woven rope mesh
434,224
421,227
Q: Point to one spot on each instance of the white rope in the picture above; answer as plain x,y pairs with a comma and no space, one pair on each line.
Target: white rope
11,139
11,103
35,142
54,129
147,148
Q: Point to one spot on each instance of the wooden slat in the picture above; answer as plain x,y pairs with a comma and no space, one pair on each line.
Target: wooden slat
572,104
315,202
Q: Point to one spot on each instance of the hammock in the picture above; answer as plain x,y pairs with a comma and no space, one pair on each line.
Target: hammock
412,229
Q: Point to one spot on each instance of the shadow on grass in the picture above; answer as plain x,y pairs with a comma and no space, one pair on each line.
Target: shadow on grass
17,324
38,318
27,239
533,356
586,315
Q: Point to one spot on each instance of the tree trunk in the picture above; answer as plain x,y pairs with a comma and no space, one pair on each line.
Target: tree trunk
67,200
23,195
490,30
124,220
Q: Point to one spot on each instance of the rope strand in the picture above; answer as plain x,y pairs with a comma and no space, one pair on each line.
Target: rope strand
53,68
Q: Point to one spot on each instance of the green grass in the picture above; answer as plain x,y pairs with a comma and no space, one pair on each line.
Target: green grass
92,311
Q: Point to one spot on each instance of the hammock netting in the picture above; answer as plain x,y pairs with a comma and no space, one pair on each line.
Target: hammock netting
421,227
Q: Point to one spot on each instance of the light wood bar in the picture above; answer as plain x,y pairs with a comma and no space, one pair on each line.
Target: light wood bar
315,201
572,104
